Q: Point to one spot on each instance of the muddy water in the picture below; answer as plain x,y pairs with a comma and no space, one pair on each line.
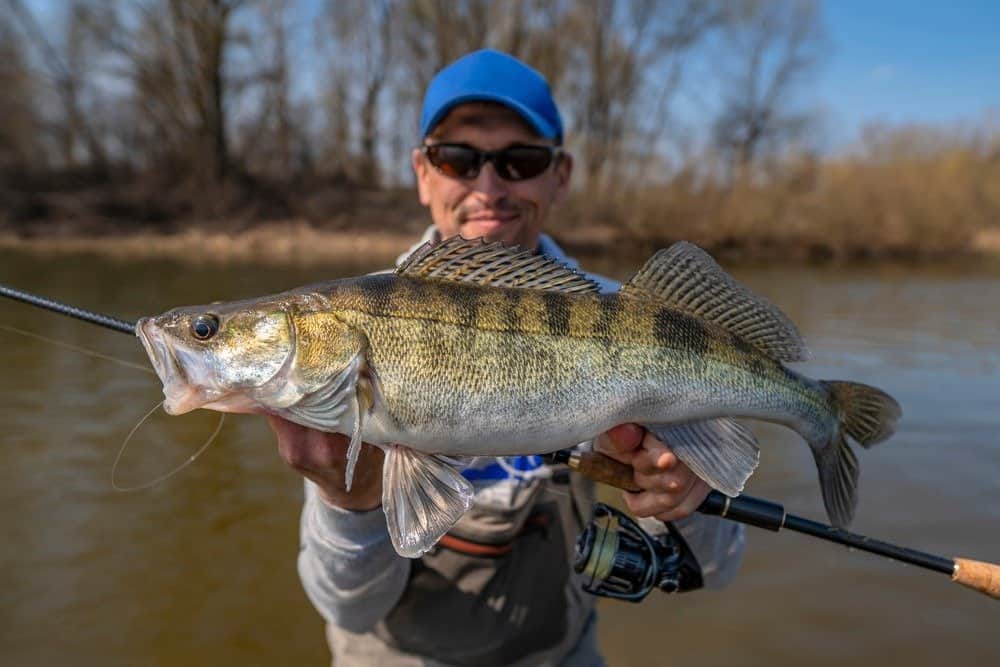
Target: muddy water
201,569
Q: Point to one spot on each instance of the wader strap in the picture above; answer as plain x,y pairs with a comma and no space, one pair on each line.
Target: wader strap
471,548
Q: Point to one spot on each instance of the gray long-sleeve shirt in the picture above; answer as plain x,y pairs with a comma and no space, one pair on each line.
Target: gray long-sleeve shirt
354,578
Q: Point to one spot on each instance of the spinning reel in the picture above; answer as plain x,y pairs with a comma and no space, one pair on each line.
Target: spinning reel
621,560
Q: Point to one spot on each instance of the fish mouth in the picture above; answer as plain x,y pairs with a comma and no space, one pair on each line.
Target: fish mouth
180,395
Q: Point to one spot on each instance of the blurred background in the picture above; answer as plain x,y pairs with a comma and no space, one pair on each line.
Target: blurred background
774,128
842,159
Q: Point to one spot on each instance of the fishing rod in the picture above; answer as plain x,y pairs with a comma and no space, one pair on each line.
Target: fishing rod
99,319
981,576
977,575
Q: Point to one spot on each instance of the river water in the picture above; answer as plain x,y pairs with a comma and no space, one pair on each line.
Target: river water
200,569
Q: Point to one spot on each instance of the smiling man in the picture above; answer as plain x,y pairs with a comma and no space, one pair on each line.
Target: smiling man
484,173
498,589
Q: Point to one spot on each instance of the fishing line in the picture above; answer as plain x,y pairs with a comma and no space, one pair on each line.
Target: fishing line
167,475
77,348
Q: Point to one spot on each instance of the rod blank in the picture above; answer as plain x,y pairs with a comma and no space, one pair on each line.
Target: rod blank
99,319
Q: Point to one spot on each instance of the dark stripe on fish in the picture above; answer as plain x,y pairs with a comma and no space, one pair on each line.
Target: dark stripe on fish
512,307
672,328
467,305
556,313
607,321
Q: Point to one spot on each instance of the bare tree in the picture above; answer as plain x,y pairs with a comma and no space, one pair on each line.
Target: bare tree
775,48
435,32
623,52
66,65
364,32
174,55
20,148
267,126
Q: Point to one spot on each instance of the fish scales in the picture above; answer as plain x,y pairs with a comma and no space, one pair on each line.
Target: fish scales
446,351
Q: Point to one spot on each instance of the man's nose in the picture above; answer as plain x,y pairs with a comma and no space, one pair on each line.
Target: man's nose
489,183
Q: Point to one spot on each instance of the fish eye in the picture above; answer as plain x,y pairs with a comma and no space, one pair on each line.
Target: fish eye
204,327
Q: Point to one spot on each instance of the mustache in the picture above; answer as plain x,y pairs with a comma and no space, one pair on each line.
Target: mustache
501,207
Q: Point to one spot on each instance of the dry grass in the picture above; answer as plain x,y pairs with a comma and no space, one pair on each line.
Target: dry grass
907,193
905,196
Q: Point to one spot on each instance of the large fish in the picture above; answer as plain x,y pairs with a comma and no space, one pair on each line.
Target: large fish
474,349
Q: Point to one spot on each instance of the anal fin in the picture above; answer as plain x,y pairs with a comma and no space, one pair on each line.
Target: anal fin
422,498
722,452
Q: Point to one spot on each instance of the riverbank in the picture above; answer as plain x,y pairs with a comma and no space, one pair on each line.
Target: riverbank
289,242
296,242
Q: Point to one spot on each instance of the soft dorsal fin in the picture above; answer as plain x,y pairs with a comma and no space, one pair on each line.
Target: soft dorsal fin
493,264
688,279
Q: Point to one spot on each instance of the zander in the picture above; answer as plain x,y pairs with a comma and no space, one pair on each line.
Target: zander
474,349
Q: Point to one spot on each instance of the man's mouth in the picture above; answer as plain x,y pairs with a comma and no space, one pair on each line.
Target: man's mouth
487,215
490,221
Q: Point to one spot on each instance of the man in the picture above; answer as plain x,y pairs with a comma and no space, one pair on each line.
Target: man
498,588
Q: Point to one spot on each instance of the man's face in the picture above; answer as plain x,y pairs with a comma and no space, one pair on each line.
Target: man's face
487,205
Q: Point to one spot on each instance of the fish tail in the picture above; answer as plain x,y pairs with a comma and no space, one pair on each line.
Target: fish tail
838,480
866,415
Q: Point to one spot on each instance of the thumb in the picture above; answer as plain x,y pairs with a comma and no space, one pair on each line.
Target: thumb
620,442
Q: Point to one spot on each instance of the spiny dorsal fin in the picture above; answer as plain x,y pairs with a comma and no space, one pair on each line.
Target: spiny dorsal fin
493,264
688,279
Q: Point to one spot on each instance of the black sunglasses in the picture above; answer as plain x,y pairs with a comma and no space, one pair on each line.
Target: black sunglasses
514,163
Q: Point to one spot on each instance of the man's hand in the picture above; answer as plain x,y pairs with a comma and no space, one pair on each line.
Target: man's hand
322,457
670,491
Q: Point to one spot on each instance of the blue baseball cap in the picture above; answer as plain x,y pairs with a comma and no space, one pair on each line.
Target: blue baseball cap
492,76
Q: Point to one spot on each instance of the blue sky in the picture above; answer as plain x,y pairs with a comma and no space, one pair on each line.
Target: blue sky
890,61
901,62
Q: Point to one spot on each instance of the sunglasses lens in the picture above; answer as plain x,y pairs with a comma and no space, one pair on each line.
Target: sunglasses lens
453,160
518,163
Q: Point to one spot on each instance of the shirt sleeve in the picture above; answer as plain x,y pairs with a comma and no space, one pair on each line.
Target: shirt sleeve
347,565
717,543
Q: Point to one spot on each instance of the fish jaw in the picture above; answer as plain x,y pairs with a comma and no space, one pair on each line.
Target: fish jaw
181,394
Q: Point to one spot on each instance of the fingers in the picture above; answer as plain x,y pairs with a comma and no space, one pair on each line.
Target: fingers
305,449
676,481
670,490
654,457
667,506
322,458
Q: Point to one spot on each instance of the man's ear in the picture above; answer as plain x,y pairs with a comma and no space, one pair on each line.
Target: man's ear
563,172
422,171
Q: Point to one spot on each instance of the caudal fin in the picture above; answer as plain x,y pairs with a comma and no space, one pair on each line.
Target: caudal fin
867,416
838,479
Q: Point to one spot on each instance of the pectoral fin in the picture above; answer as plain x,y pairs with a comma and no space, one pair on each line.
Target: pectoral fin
422,498
324,408
354,449
342,403
722,452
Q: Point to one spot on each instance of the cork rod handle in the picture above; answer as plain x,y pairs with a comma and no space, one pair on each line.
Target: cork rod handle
977,575
604,469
